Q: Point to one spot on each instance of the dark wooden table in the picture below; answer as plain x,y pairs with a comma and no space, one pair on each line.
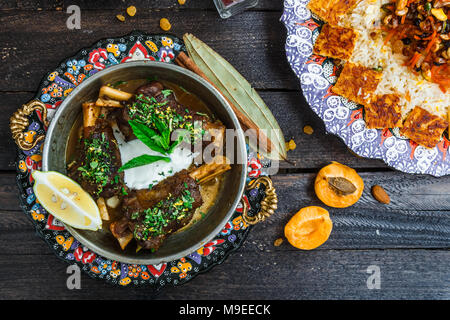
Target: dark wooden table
407,239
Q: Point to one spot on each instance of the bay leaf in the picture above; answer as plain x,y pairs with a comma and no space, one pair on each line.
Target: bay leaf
239,92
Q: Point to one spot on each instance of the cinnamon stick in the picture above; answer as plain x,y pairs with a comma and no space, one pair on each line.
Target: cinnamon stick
184,61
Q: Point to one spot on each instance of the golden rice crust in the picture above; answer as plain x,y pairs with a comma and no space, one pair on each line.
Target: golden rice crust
423,127
335,42
383,112
331,11
357,83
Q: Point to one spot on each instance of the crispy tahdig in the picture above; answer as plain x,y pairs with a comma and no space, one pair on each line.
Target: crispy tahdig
357,83
383,112
335,42
331,11
423,127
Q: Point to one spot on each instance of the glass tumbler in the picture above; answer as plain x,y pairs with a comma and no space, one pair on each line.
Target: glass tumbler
227,8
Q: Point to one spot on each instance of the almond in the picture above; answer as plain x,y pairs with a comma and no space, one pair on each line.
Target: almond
380,194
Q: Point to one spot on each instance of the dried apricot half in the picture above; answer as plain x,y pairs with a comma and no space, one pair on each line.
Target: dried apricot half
309,228
338,186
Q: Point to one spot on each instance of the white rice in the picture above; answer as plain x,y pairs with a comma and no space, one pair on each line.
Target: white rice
396,78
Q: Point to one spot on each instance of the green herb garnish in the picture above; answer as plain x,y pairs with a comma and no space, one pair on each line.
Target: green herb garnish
96,167
162,118
118,83
202,114
146,135
142,161
159,139
155,219
379,68
166,93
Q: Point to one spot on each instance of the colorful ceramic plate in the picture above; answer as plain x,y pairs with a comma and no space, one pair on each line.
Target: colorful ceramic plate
32,128
342,117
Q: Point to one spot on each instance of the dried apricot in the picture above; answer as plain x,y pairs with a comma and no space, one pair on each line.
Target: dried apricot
131,10
165,24
338,186
309,228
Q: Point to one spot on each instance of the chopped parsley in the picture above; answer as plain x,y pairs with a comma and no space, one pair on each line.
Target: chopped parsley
96,166
152,221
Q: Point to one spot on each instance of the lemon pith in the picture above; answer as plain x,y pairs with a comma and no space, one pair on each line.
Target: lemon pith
66,200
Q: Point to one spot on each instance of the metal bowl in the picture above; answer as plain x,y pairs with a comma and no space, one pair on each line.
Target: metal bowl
180,244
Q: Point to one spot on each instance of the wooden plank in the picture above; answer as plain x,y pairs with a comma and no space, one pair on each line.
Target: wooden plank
9,197
252,274
121,5
289,108
33,43
418,216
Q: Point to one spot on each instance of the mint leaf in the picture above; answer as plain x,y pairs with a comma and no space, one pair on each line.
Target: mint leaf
175,143
163,129
160,141
142,161
166,93
146,135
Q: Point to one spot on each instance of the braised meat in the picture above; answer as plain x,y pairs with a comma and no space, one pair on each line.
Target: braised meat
154,214
99,162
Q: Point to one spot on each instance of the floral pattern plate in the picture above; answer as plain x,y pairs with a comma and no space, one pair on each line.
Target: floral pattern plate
345,118
54,88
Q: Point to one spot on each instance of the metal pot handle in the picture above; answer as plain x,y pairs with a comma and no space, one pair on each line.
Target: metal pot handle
268,205
19,122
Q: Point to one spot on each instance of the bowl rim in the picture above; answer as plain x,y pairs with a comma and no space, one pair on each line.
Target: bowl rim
240,144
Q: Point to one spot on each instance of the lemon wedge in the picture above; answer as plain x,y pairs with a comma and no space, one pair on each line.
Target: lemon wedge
66,200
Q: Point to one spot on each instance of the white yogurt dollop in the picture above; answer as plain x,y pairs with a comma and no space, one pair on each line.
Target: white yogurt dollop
151,174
